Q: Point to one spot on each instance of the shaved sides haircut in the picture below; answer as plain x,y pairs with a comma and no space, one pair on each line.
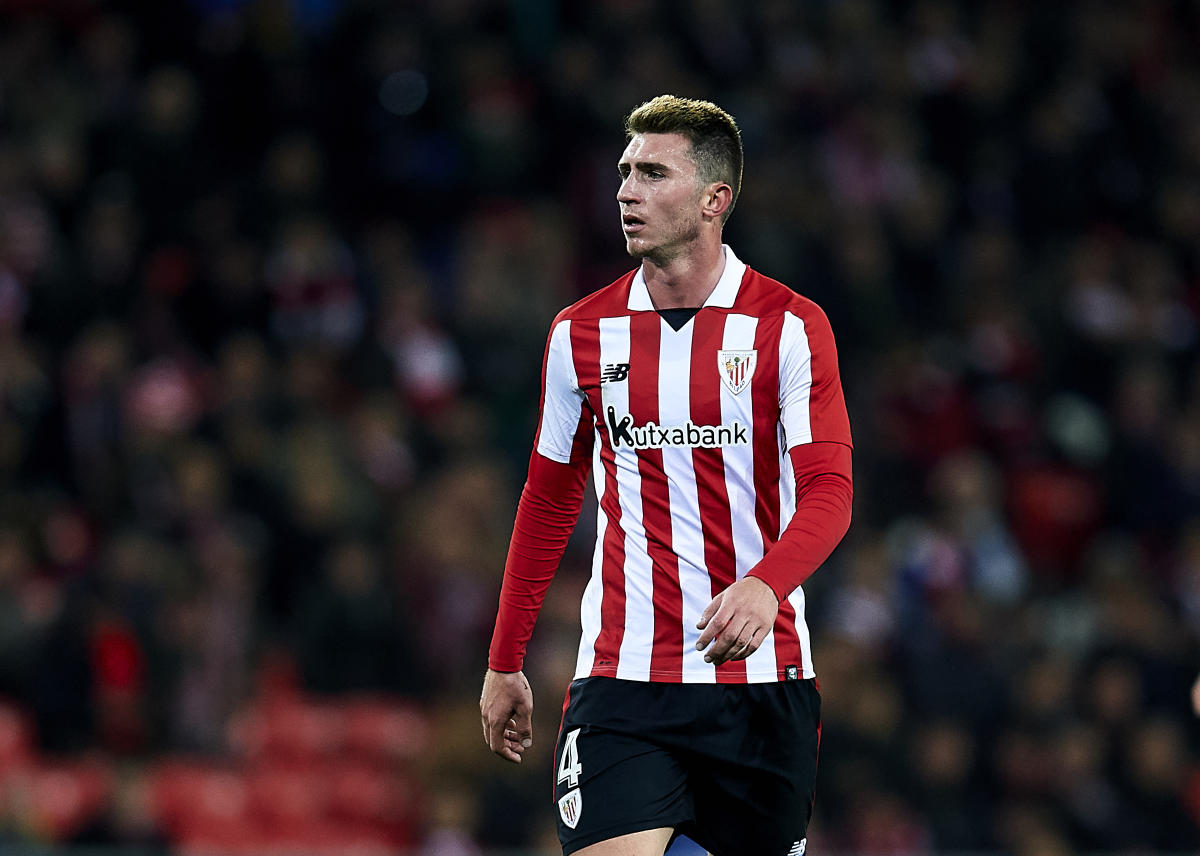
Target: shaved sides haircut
715,138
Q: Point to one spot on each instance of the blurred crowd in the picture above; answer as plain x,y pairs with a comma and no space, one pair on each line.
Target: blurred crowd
275,277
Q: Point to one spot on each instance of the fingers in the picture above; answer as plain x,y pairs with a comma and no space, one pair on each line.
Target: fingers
718,633
752,645
706,623
516,739
710,611
507,740
522,726
730,644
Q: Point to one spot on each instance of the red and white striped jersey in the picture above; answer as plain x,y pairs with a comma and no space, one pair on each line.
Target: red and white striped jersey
688,432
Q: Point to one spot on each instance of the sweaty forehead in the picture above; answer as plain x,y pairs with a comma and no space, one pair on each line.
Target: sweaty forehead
670,149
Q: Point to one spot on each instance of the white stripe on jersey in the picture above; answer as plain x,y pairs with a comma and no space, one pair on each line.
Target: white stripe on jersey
795,372
560,410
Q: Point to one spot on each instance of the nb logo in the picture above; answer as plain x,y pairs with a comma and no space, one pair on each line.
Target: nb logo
614,372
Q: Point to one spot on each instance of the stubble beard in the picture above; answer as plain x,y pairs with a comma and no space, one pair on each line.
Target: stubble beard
668,250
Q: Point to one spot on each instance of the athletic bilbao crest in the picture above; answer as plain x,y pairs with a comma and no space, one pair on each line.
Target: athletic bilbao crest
736,367
570,807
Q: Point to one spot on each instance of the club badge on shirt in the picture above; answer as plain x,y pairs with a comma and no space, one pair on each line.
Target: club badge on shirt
736,368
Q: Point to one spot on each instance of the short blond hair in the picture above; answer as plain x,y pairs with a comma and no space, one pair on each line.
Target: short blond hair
714,135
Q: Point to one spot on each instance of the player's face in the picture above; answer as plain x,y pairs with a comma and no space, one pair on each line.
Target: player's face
660,197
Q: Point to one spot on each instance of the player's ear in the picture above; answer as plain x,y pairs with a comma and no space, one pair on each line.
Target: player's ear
717,199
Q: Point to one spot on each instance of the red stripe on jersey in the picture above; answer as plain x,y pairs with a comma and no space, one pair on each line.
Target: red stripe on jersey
709,464
766,472
585,346
666,658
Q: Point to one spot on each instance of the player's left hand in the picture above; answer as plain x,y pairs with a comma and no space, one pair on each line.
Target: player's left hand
737,620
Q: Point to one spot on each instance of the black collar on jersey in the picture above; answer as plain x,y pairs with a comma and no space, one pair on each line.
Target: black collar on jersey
677,317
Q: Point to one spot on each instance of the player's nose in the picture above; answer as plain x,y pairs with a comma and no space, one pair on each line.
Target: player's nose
627,193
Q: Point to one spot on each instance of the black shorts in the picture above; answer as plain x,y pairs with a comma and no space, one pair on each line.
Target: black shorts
731,766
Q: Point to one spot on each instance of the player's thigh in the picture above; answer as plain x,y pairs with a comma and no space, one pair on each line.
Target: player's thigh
648,842
754,787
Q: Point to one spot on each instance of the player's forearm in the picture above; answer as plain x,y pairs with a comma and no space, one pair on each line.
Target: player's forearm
824,497
546,516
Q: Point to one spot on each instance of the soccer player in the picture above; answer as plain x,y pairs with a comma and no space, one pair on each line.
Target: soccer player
706,400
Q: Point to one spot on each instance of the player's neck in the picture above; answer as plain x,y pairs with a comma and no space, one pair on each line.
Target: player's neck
686,281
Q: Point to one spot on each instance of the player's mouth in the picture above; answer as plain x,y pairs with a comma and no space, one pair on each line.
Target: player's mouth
632,224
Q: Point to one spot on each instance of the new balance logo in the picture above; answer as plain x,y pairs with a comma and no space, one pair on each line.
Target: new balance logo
614,372
798,848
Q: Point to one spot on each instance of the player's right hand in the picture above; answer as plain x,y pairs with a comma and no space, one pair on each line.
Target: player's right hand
506,708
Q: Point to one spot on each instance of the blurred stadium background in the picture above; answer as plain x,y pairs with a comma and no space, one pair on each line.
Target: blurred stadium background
275,277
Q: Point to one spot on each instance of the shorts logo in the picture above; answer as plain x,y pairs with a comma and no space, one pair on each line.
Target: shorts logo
570,807
736,368
798,848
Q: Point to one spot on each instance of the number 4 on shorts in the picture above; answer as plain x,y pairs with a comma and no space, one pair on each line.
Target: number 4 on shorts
569,768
